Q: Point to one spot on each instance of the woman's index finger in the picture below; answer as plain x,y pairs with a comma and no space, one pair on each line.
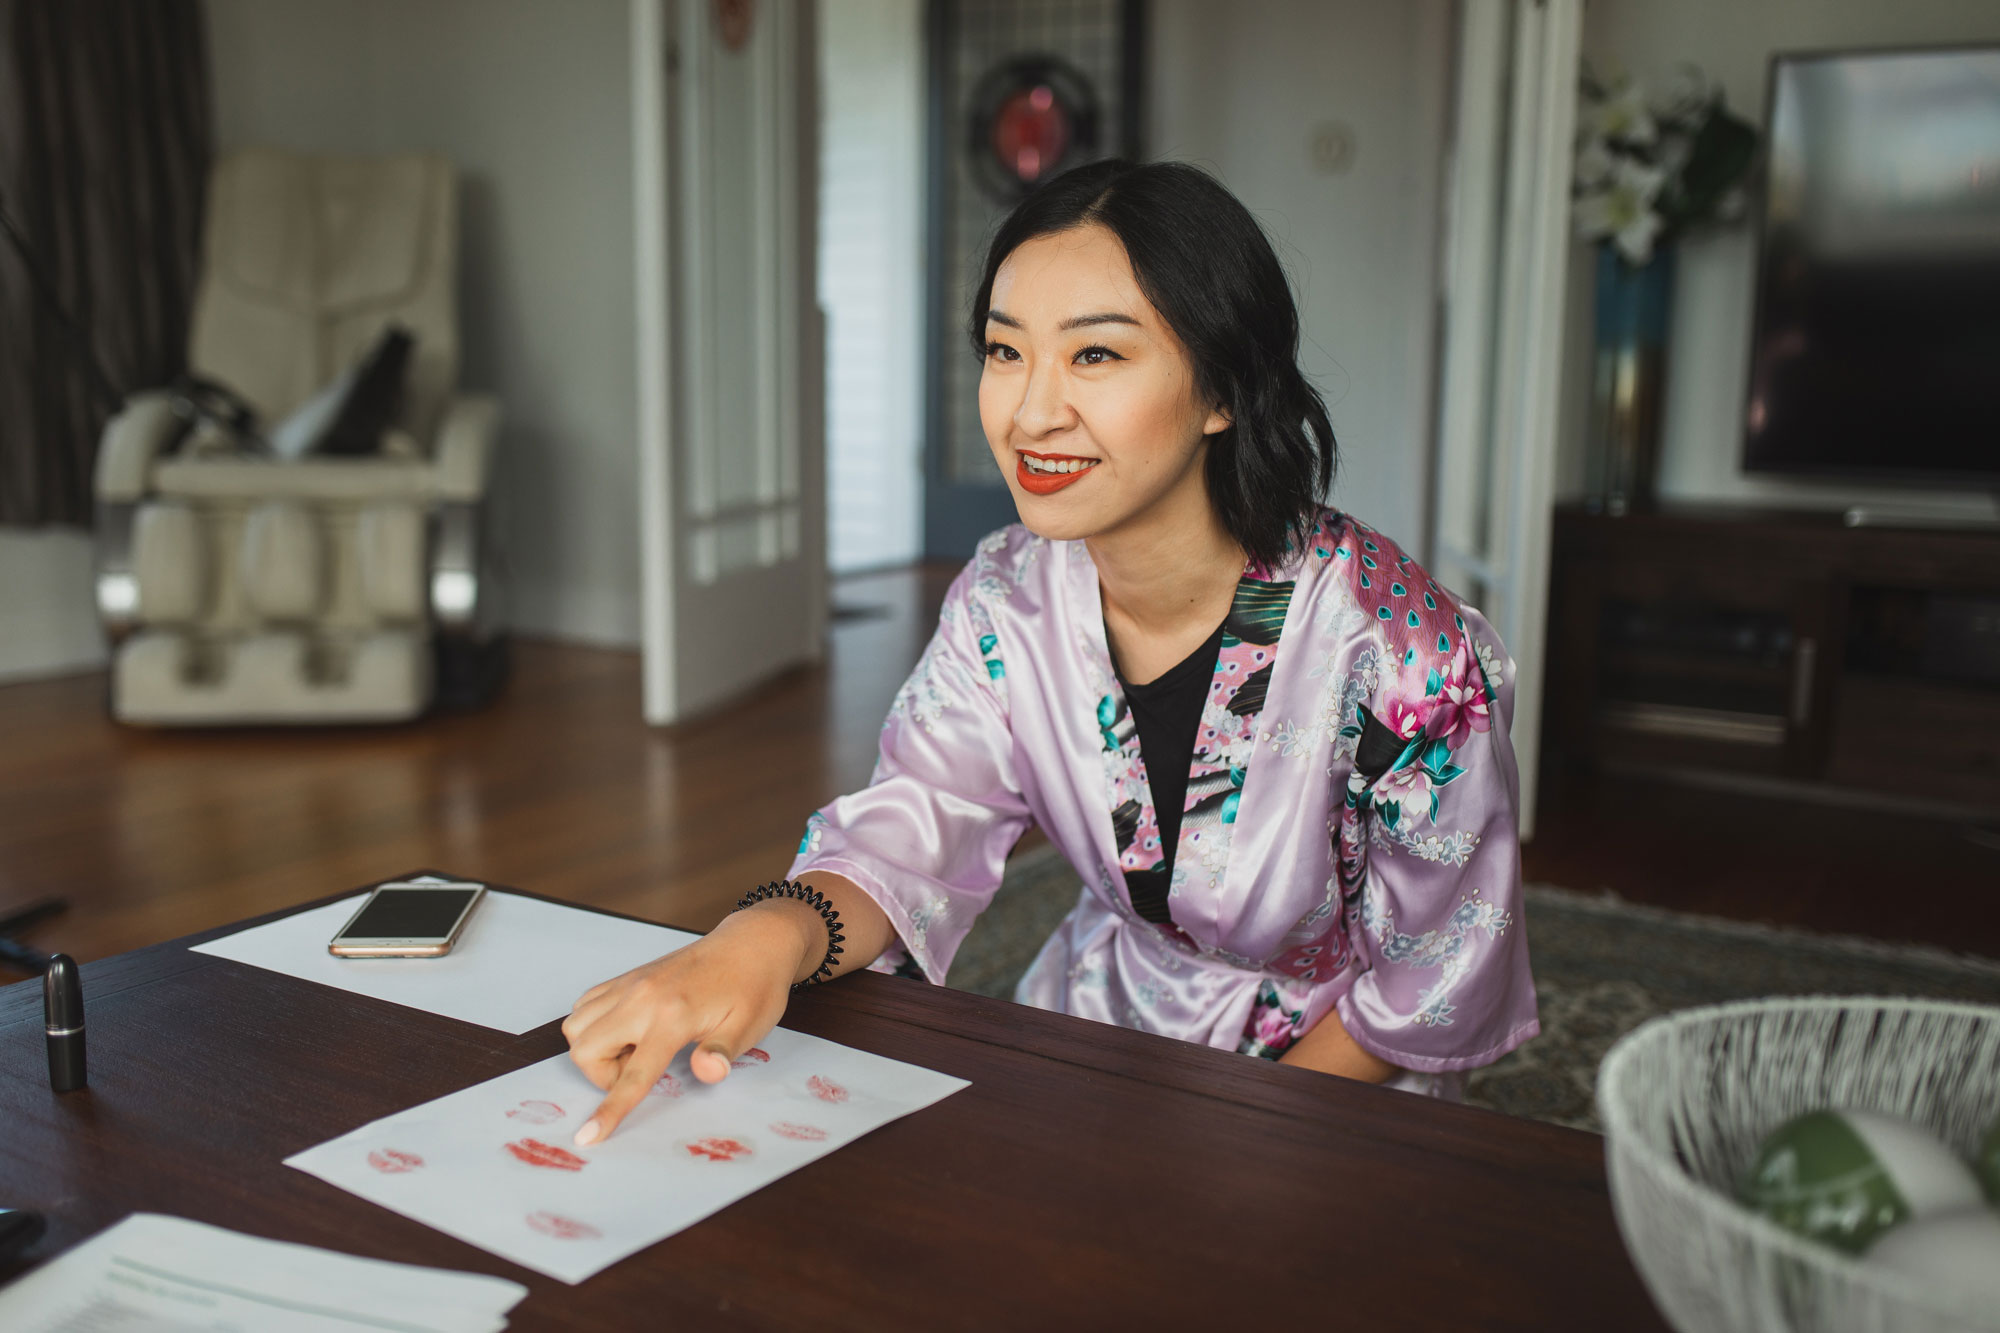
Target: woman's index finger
642,1069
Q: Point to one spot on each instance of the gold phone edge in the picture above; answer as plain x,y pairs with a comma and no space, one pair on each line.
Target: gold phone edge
438,950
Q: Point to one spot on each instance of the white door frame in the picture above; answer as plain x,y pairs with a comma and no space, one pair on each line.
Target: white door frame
1507,266
652,55
733,586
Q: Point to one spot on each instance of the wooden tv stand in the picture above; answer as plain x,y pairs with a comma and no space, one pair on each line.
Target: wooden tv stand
1779,651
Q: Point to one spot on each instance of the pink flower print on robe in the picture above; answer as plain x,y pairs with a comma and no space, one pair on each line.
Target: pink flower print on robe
1274,1026
1408,788
1458,709
1407,717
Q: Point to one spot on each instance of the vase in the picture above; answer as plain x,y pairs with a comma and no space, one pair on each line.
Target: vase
1634,309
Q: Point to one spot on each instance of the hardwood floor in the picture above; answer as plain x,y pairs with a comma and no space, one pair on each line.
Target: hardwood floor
559,787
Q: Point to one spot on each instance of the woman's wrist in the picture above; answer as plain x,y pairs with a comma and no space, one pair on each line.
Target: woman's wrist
790,928
829,916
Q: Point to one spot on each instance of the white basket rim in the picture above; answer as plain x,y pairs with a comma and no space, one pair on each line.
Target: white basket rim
1671,1176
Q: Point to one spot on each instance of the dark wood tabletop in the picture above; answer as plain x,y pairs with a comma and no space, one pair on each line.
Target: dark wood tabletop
1091,1176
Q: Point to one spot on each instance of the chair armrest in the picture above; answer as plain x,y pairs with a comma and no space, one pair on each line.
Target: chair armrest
465,447
132,439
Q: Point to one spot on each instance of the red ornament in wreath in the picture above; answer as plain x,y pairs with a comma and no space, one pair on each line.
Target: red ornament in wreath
732,22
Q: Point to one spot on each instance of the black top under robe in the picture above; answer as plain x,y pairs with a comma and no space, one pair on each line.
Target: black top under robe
1166,713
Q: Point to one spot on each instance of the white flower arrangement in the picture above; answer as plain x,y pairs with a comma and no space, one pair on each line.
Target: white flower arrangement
1645,172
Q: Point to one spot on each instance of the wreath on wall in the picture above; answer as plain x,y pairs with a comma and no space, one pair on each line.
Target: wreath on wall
1033,117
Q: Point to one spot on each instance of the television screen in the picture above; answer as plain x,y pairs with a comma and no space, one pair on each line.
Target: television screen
1877,344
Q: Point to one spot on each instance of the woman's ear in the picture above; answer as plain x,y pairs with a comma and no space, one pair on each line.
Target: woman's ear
1218,420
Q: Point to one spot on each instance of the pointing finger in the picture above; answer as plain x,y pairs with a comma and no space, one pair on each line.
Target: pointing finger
642,1070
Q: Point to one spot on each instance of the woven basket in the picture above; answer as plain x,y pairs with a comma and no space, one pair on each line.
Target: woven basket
1686,1101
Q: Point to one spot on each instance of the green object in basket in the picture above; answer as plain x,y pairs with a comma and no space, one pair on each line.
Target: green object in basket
1844,1177
1987,1164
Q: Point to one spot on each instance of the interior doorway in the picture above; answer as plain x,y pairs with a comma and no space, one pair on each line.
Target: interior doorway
871,268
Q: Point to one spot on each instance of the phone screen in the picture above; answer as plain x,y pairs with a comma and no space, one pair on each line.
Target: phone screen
410,914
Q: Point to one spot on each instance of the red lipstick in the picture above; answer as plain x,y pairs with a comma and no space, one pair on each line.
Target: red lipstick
536,1153
1048,483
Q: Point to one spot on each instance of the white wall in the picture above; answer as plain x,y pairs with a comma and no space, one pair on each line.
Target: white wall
532,100
48,617
1708,358
1240,90
871,266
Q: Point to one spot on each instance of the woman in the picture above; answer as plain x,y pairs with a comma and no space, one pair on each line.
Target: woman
1273,747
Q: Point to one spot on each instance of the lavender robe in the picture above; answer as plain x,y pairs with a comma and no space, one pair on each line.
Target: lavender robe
1349,840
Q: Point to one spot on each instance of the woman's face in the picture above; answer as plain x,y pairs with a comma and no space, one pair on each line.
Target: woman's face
1088,399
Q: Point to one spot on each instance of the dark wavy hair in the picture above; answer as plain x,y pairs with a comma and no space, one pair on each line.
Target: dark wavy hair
1208,268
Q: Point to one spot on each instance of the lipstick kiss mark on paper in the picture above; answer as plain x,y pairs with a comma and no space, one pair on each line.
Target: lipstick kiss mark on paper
716,1149
562,1228
826,1089
803,1133
393,1162
536,1153
756,1055
536,1113
668,1086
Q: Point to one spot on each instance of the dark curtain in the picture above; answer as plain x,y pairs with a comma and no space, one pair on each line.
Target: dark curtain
104,153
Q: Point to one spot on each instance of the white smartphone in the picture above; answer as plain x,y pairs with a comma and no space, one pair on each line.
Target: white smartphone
406,920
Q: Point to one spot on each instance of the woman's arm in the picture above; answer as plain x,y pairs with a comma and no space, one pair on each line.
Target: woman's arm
1329,1049
915,856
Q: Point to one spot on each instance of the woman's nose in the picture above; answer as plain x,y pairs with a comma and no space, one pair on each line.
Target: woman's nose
1044,404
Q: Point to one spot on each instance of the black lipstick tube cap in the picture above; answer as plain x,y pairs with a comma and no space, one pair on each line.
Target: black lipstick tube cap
62,1012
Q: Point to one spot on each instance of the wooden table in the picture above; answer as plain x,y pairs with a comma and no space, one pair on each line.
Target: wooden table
1091,1177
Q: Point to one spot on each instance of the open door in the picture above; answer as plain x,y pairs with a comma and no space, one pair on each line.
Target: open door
733,488
1506,262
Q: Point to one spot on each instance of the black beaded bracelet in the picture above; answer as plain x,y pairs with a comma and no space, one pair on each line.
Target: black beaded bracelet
813,898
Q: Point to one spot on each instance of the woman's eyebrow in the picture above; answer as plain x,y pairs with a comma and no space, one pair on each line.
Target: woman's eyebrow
1110,317
1080,321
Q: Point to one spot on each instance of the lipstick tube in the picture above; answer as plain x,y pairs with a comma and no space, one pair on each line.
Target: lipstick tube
62,1013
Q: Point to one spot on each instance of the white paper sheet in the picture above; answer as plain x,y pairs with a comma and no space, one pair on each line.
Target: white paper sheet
154,1272
495,1164
519,962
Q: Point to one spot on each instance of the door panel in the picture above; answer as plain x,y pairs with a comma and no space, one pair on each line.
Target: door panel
735,498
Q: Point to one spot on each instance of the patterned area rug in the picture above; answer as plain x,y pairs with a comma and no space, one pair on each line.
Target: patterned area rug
1602,967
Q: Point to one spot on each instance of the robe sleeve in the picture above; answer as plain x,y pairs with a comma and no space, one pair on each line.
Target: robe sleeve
928,838
1446,984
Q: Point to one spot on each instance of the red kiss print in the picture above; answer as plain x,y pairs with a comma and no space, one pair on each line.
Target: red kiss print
803,1133
826,1089
717,1149
536,1153
391,1162
536,1113
562,1228
668,1086
754,1056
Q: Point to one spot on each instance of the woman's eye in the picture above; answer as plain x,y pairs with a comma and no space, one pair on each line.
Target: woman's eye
1002,350
1097,356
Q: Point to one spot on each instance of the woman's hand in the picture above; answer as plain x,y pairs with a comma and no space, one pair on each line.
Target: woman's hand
723,992
1329,1049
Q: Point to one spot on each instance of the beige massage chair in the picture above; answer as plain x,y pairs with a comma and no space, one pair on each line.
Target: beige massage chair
243,589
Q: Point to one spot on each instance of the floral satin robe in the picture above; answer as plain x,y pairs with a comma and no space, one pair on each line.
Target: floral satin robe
1349,841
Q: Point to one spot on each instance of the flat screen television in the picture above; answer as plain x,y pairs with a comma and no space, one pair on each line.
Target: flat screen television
1877,341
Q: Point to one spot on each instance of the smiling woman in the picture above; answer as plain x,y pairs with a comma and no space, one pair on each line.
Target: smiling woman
1274,749
1138,310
